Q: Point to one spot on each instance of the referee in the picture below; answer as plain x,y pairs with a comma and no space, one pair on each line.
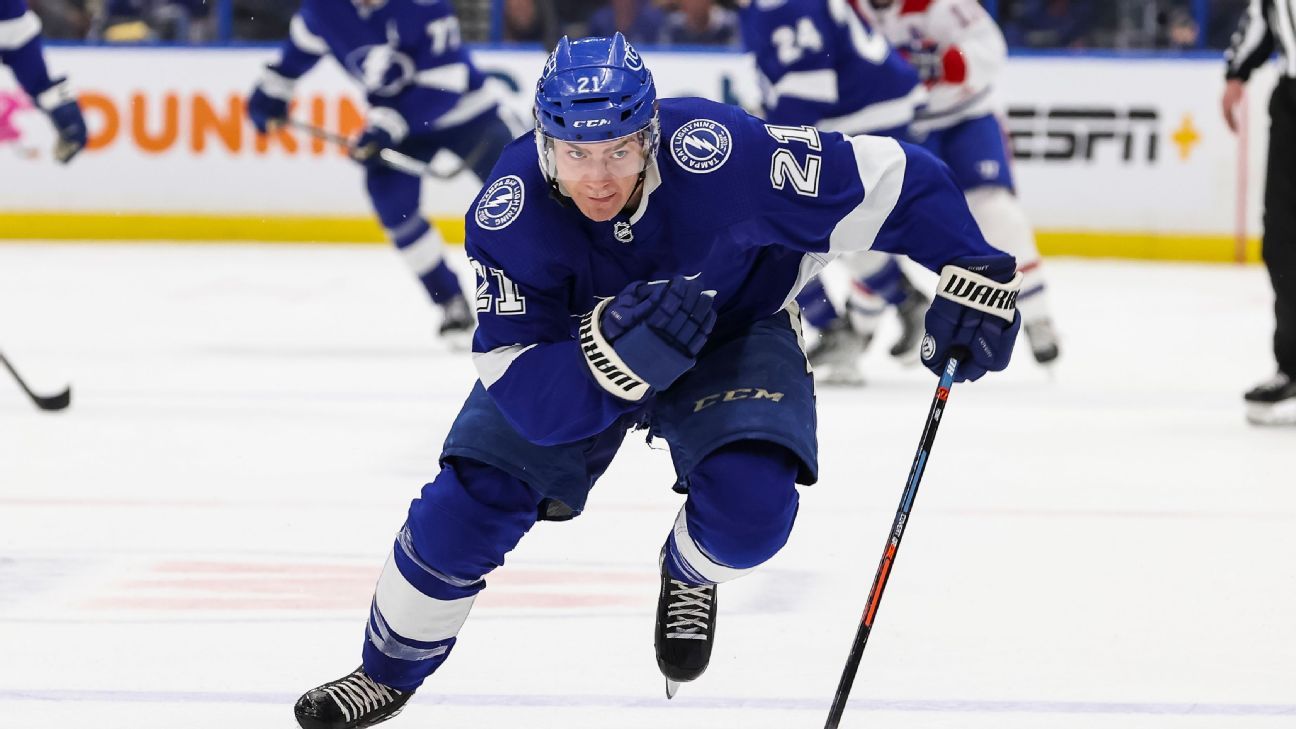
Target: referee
1265,25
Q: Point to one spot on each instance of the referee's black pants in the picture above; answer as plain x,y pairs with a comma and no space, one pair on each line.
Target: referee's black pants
1279,244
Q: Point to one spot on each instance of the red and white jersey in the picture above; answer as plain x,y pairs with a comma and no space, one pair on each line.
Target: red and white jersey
966,43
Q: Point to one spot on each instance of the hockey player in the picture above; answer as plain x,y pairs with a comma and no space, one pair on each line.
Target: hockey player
20,50
637,264
424,95
819,63
958,51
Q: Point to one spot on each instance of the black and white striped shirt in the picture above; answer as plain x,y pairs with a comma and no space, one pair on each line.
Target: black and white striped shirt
1265,25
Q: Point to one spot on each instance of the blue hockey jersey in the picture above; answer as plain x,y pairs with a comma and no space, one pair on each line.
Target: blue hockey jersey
20,47
755,209
406,54
820,63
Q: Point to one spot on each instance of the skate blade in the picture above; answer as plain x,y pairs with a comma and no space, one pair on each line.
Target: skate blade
839,376
1283,413
672,687
908,358
458,341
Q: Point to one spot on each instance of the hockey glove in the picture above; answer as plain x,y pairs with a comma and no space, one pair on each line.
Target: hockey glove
937,65
65,114
368,146
974,316
267,107
647,336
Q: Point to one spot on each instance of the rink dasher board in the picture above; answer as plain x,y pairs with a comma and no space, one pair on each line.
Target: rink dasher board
1124,157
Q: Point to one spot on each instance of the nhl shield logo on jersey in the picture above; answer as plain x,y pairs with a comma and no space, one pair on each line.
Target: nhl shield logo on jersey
501,203
701,146
622,231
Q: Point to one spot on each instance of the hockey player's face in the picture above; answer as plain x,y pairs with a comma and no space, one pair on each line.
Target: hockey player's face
600,177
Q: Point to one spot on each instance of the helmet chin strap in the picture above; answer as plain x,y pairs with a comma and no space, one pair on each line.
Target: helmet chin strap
631,203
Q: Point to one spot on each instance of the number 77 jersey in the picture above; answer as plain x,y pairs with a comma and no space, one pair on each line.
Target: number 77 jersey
753,209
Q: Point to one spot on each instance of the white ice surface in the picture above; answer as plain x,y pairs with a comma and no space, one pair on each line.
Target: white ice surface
194,542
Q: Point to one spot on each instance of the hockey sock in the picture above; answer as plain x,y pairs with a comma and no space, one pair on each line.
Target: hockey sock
1005,226
887,283
741,506
816,308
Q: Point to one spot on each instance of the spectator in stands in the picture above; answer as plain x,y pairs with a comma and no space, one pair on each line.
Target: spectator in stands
640,21
265,20
529,20
62,19
1222,20
1180,29
701,23
1048,23
138,21
573,17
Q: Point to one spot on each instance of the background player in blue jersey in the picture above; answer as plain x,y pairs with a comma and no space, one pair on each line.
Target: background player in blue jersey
424,95
958,52
820,63
20,50
637,266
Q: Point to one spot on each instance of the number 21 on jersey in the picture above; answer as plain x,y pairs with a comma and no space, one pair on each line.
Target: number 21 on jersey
784,167
508,303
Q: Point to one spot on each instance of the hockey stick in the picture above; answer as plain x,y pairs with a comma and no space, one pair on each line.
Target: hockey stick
893,544
390,157
57,401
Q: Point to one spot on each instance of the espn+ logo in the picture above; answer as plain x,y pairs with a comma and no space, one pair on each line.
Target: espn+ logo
1065,133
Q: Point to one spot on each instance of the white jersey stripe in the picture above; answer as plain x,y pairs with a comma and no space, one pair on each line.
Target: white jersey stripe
881,163
450,77
492,365
18,32
877,117
818,85
304,39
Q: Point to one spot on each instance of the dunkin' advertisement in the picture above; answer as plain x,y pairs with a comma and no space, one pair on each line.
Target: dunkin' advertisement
169,137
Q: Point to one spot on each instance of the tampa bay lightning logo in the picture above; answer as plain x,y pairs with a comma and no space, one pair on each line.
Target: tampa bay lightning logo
382,70
701,146
501,203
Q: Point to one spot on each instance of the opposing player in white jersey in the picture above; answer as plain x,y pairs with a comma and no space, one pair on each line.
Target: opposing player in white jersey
820,64
958,52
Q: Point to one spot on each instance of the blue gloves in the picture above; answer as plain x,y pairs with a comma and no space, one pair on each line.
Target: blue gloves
973,316
647,336
65,114
267,107
925,57
369,144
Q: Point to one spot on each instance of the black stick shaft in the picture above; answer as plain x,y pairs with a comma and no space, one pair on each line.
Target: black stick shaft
892,545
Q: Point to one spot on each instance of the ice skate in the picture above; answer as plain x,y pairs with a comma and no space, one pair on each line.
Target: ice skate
913,312
835,357
351,702
1043,340
686,616
457,323
1272,402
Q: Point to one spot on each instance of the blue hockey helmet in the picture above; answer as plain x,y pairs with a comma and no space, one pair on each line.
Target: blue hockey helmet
594,90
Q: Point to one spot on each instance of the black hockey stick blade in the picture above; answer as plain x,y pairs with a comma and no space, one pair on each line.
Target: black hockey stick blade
57,401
